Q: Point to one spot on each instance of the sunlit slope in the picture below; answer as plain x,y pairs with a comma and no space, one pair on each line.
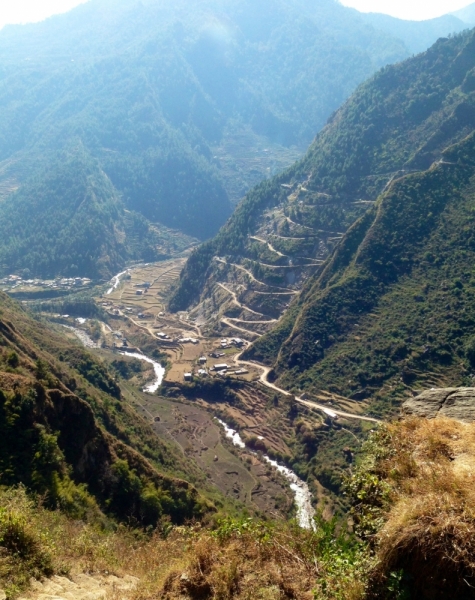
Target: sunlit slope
398,122
68,434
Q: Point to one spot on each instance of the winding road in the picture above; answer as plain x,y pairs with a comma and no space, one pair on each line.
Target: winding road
236,301
269,245
241,268
309,404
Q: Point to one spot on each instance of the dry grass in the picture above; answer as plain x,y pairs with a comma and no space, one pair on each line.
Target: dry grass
428,468
239,560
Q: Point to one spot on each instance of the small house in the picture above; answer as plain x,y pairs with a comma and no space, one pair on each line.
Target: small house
222,367
188,377
203,360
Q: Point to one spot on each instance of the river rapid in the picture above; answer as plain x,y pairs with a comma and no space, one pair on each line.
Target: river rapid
302,494
157,367
115,281
83,337
151,388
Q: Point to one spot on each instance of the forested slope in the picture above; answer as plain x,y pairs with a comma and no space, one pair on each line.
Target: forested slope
393,169
183,105
68,435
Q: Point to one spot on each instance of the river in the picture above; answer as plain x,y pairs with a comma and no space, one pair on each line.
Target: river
86,340
157,367
302,494
115,281
151,388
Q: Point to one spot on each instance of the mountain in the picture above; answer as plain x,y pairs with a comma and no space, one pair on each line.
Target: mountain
181,106
43,225
69,436
467,14
373,227
418,35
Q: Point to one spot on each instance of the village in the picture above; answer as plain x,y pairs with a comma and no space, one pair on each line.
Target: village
17,283
136,306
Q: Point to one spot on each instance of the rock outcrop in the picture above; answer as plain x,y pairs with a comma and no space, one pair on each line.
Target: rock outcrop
455,403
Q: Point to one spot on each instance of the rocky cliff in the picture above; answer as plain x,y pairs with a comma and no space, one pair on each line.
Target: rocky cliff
455,403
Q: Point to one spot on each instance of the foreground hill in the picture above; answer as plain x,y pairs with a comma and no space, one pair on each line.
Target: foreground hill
68,435
372,225
182,106
412,510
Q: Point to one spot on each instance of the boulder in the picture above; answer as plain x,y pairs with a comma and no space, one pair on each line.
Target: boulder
455,403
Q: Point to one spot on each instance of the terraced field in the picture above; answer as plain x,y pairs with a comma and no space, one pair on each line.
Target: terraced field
247,295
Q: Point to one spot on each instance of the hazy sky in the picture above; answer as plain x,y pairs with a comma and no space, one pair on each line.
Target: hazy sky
23,11
409,9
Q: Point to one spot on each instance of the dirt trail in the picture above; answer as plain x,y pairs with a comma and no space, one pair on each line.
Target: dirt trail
236,301
241,268
269,245
233,326
289,293
289,220
82,587
325,409
253,322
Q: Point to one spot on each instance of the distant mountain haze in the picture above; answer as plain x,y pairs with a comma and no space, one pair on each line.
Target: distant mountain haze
181,106
406,9
466,14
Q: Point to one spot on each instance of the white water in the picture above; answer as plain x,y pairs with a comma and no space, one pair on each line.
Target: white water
232,435
303,496
157,367
115,282
86,340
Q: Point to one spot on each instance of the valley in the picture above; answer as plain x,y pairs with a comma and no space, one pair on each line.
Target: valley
237,303
204,377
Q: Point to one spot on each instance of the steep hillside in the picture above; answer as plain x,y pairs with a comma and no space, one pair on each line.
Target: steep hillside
68,435
412,515
381,172
392,311
44,225
184,106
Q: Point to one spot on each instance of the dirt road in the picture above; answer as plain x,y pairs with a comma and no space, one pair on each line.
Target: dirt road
263,379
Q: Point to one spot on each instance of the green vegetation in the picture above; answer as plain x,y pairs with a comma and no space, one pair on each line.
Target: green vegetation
371,323
68,435
412,510
43,226
149,94
400,315
399,121
390,312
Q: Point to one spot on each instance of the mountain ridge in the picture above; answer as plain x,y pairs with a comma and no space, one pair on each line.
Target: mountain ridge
183,107
400,131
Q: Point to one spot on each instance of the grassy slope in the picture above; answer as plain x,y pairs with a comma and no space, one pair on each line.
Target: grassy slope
68,434
412,506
